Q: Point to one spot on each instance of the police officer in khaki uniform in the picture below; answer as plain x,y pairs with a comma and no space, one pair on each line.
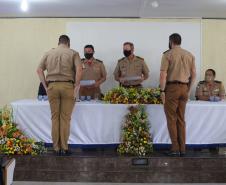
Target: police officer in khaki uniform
177,75
64,69
92,69
210,89
130,66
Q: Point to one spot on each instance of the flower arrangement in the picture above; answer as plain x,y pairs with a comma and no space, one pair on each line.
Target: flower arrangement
121,95
136,139
12,140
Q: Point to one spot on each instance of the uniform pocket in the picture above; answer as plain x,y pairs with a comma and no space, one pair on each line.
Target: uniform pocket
68,91
138,69
69,86
206,93
138,66
50,87
96,69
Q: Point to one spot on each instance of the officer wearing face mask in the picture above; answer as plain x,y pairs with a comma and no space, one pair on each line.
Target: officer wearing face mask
131,70
210,89
92,69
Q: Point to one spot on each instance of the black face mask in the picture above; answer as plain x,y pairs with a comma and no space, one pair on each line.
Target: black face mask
88,55
127,53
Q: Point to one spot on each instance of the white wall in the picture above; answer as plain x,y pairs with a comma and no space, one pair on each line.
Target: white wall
25,40
150,40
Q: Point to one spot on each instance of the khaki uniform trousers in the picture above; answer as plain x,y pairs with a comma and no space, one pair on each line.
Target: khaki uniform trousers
175,103
61,100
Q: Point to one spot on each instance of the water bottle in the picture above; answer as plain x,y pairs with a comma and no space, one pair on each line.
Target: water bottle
88,98
82,98
40,97
45,97
217,98
211,98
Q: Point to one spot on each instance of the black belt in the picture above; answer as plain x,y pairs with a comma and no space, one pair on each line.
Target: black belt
69,81
177,82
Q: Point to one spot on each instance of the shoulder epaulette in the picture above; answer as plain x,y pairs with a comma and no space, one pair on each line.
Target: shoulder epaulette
121,59
166,51
201,82
140,57
217,81
99,60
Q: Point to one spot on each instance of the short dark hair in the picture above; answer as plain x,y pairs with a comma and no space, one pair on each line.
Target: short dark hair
175,38
64,39
89,46
129,43
214,73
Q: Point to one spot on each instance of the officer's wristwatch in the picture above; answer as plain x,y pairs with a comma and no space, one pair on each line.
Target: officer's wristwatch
162,90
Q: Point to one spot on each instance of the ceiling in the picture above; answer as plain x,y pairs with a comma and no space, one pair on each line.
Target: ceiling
116,8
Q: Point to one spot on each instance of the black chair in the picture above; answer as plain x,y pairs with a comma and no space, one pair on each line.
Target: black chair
41,90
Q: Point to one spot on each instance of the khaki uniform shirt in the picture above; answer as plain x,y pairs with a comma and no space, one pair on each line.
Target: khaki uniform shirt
178,64
94,71
60,64
203,89
127,68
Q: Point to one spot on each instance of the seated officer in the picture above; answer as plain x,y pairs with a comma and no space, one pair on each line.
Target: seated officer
92,69
130,67
210,89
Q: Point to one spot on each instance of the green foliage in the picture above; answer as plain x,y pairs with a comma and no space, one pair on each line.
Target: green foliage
13,140
121,95
136,139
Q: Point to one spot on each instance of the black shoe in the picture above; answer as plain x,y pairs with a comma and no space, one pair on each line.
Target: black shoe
57,152
173,154
66,152
182,154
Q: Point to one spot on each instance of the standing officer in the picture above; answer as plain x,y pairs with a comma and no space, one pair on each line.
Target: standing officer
130,66
64,69
210,89
92,69
177,75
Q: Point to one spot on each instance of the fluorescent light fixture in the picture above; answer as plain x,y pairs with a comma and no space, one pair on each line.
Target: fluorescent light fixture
24,5
155,4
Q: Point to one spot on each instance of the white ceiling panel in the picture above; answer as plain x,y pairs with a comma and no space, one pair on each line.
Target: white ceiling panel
116,8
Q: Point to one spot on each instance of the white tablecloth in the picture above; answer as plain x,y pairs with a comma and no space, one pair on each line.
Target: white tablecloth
99,123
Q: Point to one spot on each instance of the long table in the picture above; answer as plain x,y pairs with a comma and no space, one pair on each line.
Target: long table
100,123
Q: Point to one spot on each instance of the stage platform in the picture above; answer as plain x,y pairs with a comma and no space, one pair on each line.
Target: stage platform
105,165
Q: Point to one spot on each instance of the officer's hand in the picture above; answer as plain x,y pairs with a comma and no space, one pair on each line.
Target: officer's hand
122,80
189,93
142,78
163,97
97,84
46,89
76,89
